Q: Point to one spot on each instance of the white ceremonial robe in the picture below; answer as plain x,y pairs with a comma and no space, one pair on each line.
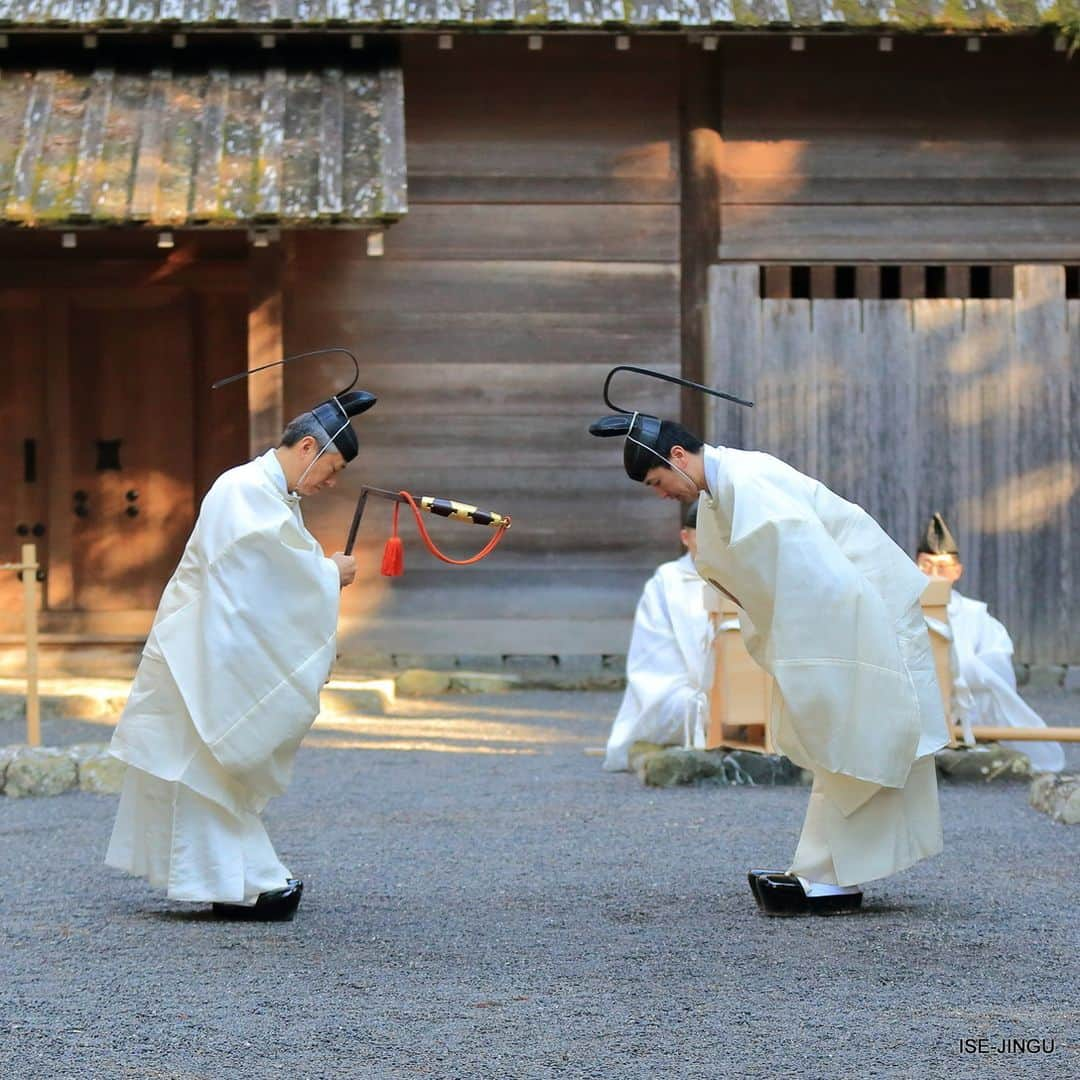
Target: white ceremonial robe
227,687
830,608
666,698
985,683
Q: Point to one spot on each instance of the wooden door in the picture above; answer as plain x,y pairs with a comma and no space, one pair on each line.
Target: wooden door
132,443
23,517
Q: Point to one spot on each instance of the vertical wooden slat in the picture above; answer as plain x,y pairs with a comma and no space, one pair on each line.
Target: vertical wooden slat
207,194
963,419
890,355
787,340
92,142
732,351
392,129
836,430
938,327
149,157
978,407
331,145
1042,452
271,144
1069,649
35,125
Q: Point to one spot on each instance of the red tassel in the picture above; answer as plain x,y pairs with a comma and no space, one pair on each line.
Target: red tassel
393,556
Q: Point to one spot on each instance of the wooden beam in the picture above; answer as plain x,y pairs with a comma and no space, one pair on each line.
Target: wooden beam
868,282
912,282
266,391
777,283
823,282
958,282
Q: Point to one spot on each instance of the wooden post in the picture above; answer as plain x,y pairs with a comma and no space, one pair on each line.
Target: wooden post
33,704
59,464
701,170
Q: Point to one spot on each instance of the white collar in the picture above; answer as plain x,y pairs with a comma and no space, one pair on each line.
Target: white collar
712,467
272,466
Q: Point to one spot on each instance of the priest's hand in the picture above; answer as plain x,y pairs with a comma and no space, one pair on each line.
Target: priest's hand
346,565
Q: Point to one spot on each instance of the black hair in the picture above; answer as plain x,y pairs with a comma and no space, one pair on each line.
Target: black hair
672,435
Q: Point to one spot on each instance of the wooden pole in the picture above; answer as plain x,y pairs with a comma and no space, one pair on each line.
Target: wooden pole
33,703
1021,734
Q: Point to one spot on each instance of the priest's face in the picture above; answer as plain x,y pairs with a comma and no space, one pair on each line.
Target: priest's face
946,567
672,483
689,539
323,474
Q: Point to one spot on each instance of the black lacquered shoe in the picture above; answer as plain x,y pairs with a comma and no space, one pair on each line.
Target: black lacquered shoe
783,895
753,875
278,905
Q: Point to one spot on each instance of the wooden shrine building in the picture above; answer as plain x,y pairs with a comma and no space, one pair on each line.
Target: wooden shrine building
863,215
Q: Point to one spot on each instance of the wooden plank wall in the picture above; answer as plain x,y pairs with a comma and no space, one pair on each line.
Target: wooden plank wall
926,153
541,246
969,407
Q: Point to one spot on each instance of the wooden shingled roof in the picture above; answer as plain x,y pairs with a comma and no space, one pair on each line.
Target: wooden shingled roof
552,14
214,148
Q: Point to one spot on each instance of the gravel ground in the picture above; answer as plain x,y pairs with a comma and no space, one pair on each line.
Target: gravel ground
482,901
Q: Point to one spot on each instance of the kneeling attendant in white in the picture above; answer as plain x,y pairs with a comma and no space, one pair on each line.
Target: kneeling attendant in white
984,684
243,641
665,700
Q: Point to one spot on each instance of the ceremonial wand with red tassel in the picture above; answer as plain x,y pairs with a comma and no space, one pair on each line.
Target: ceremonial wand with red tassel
393,561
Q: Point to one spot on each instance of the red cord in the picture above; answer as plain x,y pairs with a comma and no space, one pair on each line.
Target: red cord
488,548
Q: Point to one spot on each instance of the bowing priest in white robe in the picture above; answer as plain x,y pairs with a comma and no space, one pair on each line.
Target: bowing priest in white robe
228,685
984,683
830,608
666,699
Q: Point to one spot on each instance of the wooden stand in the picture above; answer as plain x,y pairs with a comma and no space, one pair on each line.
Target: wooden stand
935,606
740,701
28,568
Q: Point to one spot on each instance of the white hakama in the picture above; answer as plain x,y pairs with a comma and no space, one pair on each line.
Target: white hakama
190,847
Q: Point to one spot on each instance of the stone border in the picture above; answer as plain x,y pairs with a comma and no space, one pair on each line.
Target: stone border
675,766
51,770
1057,795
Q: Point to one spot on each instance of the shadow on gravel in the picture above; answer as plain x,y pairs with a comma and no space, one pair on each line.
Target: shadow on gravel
195,916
